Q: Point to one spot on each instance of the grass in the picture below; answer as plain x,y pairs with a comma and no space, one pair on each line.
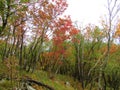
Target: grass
5,85
58,82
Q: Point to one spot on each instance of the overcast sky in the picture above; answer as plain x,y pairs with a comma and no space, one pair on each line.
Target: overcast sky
86,11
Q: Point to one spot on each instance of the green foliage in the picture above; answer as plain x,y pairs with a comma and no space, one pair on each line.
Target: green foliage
3,69
2,6
112,72
5,85
24,1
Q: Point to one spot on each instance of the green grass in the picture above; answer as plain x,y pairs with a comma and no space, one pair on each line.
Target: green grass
58,82
6,85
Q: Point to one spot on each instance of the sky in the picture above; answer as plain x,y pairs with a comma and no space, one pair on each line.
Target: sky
86,11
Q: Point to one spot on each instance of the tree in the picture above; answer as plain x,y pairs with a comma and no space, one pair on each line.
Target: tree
42,19
13,17
113,8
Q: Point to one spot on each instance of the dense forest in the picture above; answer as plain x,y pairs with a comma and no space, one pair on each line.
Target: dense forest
41,49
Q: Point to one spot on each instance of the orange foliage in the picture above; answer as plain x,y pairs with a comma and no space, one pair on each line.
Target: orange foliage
117,33
113,48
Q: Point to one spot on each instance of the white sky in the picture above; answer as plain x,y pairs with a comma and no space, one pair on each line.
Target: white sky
86,11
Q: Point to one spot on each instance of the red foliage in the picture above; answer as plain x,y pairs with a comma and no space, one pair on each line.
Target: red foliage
74,31
61,29
44,14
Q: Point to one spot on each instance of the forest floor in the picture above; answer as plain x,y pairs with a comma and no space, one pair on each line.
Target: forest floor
57,82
